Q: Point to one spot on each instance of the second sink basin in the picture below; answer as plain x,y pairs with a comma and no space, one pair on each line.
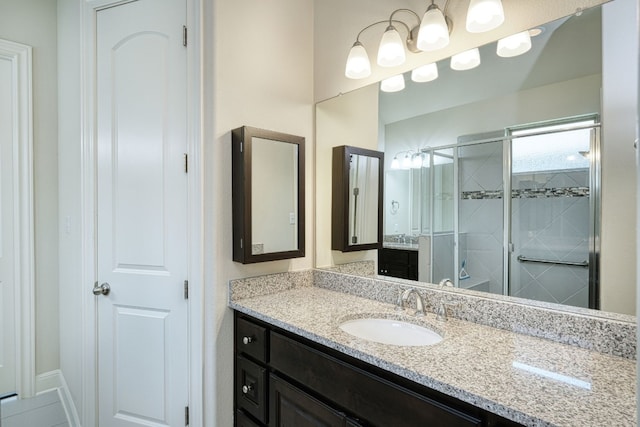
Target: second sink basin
391,331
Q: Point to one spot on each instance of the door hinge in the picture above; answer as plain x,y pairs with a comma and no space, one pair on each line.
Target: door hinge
186,415
186,289
241,148
186,163
184,35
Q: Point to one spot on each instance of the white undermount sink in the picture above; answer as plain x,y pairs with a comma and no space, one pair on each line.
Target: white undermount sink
391,331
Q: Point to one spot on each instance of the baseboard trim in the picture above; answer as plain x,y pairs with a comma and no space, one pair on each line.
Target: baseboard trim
54,380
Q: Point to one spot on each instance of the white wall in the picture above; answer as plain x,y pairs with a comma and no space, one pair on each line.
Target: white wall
33,22
619,192
69,209
258,69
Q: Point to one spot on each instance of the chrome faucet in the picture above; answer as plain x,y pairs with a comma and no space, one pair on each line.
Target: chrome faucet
402,301
441,312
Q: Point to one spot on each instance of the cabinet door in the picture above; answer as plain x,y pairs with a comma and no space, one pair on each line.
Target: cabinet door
251,387
376,401
291,407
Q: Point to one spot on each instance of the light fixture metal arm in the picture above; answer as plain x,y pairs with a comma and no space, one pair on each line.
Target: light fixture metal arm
386,21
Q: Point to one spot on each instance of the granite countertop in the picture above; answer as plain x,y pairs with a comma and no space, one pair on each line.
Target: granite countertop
530,380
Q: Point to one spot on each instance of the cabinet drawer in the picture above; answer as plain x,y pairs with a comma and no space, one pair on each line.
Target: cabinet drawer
251,388
375,400
291,406
251,339
242,420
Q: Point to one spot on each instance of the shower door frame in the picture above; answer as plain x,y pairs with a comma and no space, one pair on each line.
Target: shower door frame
594,193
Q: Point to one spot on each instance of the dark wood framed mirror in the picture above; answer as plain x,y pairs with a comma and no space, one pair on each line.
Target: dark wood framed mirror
357,194
267,195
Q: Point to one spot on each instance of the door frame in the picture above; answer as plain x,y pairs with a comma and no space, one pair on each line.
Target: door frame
20,56
88,205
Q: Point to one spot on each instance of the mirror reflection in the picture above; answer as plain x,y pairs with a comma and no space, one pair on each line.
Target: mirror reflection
267,195
274,195
356,221
363,200
527,126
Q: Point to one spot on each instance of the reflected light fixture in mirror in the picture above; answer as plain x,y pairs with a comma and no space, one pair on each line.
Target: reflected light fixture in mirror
393,84
425,73
484,15
466,60
514,45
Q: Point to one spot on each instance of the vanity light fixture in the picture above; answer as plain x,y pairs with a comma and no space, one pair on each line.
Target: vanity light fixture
466,60
411,160
395,163
391,49
393,84
484,15
416,161
430,33
406,162
425,73
358,65
434,29
514,45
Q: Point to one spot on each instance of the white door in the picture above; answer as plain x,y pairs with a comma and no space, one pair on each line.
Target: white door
143,375
7,231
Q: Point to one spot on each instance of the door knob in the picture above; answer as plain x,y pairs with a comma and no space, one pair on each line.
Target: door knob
103,289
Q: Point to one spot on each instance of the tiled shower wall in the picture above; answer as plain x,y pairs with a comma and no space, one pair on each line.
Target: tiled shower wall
550,221
481,217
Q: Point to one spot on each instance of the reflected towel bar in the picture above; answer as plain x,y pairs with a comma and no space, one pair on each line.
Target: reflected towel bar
548,261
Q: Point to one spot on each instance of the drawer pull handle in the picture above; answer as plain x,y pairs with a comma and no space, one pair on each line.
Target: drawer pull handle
247,340
247,388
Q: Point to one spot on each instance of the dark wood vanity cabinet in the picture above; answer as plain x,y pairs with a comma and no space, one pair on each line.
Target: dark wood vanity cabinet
401,263
299,383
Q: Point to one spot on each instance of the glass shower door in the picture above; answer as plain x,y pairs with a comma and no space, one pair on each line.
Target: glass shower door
551,215
480,236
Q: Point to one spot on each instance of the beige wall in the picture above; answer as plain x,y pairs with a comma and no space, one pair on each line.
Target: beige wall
258,56
33,22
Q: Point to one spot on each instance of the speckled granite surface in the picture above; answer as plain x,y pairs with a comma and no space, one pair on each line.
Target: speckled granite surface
534,381
607,333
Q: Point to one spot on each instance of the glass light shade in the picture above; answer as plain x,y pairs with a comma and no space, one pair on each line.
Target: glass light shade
484,15
514,45
358,65
391,50
406,162
434,32
395,163
416,161
425,73
392,84
466,60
